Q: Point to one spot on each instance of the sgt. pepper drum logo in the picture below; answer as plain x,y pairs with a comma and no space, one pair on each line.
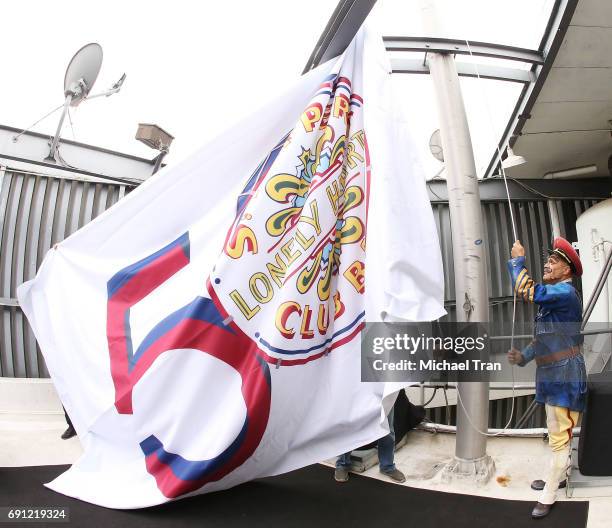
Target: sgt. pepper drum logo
300,232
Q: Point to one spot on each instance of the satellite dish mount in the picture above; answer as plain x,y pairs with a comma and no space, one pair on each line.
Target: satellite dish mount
52,152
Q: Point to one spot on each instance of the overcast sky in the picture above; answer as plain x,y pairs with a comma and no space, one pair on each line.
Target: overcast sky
196,67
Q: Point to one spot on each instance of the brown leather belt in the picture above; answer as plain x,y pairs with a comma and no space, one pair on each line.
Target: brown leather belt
558,356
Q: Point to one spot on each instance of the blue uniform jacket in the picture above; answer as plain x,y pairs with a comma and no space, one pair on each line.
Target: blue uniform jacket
557,327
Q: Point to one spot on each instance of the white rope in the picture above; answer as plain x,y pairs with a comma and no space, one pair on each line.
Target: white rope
499,154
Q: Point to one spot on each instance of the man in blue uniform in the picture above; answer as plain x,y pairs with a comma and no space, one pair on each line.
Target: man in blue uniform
556,348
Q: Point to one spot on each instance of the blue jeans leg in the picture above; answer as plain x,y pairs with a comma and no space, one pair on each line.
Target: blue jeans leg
344,460
386,448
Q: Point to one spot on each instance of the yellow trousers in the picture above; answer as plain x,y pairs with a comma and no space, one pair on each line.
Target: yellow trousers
560,421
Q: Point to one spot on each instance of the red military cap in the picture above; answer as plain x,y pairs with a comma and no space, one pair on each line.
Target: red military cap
564,249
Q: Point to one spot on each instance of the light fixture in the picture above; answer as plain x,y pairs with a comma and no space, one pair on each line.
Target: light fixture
512,160
155,137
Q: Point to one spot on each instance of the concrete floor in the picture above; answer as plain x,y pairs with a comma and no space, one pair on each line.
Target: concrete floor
518,461
30,438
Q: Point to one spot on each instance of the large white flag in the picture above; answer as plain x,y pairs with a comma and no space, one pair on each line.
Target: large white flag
205,330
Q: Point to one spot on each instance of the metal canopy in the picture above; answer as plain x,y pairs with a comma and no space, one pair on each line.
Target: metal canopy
564,122
349,15
463,47
563,116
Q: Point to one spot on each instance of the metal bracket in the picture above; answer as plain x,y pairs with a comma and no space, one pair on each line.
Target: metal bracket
468,307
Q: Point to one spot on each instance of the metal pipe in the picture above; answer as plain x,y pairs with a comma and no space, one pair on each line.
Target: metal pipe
601,258
595,332
433,385
603,277
601,252
467,237
527,414
158,160
553,212
530,336
510,337
602,265
519,433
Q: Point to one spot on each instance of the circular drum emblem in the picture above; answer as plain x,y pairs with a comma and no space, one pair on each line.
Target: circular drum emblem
201,327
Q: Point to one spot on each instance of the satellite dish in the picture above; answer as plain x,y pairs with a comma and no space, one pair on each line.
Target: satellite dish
79,79
80,76
82,72
435,146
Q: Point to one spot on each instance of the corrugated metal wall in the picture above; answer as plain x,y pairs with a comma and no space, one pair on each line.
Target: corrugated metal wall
534,230
36,212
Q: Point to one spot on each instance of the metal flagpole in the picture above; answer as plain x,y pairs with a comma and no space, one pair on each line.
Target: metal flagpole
472,301
471,295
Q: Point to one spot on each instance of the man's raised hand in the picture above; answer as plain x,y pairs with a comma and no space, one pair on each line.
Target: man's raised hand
514,356
517,249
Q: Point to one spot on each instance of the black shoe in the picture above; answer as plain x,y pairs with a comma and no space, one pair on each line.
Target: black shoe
395,475
541,510
68,433
538,485
341,474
